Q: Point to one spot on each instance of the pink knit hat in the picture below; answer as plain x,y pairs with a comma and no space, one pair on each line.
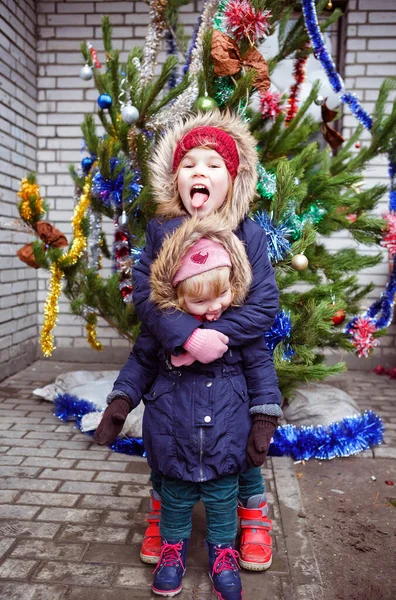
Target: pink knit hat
220,140
203,256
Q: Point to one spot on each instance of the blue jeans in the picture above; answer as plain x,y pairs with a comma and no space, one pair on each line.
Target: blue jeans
251,483
220,500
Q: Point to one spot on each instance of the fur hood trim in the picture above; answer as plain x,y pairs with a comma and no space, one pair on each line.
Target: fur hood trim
244,186
168,262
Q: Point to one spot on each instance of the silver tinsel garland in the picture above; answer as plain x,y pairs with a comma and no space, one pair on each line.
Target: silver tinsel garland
95,228
153,39
185,101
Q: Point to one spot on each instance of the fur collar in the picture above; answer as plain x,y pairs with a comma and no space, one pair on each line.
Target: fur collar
175,246
244,188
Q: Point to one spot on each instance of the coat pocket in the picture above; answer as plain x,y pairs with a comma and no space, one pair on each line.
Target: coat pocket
159,407
240,387
160,387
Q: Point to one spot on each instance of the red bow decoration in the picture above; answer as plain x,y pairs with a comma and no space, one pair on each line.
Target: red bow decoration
50,235
227,60
331,135
26,255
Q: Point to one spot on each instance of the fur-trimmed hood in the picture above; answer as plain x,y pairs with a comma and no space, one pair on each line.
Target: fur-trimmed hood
168,262
244,187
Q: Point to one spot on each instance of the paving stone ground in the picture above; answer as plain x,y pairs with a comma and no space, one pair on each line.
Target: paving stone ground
72,513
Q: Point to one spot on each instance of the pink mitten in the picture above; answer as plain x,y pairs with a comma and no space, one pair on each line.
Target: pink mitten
206,345
183,360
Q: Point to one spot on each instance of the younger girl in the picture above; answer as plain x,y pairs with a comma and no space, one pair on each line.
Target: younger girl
204,166
196,421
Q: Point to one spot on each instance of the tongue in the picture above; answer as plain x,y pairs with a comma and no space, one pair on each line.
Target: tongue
198,199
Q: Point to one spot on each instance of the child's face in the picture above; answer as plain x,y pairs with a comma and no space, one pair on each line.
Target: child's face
209,304
203,181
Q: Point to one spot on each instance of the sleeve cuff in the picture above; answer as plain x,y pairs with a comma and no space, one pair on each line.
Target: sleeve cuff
118,394
267,409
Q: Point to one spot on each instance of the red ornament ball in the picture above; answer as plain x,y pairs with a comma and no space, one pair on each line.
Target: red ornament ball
339,317
357,145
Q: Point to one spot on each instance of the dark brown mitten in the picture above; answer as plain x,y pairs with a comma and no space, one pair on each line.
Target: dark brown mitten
260,435
112,422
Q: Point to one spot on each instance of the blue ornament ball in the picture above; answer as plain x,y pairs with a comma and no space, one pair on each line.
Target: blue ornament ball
105,101
86,164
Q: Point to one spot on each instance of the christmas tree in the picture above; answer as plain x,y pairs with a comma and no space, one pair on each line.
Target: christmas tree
308,184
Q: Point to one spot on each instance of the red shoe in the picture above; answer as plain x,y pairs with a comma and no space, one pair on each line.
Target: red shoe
151,545
255,552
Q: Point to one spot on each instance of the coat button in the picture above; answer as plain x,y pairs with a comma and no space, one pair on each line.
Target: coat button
209,383
207,419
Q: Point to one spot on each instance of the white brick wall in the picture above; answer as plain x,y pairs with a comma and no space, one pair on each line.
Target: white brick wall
18,144
370,57
63,99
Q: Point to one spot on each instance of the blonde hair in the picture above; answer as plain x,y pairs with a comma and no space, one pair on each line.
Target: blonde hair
176,244
211,282
163,209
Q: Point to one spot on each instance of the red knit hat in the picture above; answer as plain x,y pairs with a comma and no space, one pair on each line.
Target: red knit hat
218,139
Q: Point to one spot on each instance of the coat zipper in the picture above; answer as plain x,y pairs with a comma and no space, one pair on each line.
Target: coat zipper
201,438
201,435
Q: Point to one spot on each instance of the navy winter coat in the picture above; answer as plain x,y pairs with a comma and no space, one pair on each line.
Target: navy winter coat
196,420
242,325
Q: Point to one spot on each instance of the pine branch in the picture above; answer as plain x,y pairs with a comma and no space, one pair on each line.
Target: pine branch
151,90
88,128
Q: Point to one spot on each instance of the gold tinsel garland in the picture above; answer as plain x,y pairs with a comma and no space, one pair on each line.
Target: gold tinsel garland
51,310
90,328
27,192
79,243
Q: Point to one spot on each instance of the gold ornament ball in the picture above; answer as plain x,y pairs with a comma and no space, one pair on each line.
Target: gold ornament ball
299,262
205,103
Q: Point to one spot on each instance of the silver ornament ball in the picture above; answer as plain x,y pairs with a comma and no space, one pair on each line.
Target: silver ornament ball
296,181
129,114
86,73
299,262
319,100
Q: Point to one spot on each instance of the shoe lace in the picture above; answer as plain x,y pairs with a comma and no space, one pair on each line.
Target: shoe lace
226,560
170,556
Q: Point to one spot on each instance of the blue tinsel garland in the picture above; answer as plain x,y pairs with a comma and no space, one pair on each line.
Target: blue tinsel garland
381,311
191,47
110,191
68,407
280,332
321,53
344,438
277,243
171,50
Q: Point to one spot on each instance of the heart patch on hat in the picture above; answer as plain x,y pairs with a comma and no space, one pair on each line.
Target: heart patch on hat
200,258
